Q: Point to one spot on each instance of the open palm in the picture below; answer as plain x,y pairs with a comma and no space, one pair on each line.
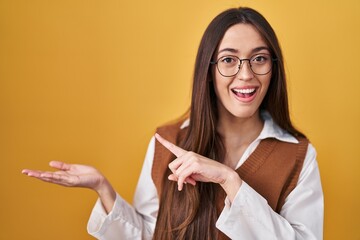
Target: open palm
70,175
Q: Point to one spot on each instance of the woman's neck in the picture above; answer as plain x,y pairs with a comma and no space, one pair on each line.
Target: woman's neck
237,134
240,131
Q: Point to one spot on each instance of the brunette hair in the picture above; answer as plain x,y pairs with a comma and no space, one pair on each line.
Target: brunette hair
192,213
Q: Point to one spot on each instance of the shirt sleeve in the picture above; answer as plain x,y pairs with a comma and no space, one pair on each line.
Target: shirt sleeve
126,221
250,217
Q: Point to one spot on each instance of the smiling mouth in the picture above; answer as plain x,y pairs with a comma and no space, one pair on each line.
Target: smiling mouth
244,92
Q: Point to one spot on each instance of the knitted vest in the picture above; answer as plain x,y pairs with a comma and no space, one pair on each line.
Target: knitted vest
272,169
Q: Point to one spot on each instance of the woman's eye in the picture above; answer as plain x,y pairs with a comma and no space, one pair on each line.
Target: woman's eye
228,60
259,58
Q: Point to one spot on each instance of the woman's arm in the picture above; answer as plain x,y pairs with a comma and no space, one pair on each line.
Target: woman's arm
250,217
112,217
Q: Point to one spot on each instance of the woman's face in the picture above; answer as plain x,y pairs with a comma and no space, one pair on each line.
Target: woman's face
240,96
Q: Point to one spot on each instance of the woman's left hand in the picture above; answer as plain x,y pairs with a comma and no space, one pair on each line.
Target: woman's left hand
190,167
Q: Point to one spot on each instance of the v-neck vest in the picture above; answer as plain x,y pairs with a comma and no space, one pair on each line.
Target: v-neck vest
272,170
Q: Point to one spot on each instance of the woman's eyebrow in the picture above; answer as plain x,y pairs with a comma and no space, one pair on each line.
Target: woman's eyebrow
258,49
233,50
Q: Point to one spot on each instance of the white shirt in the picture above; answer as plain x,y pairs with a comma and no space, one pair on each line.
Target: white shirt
248,217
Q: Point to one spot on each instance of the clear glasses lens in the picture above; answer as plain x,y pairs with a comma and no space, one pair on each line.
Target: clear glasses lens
230,65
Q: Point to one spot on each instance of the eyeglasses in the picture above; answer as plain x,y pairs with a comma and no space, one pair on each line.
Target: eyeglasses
229,66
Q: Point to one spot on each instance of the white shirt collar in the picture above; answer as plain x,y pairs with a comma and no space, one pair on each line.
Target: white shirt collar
185,123
270,129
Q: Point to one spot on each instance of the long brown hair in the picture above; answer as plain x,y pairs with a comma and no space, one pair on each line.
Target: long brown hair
192,213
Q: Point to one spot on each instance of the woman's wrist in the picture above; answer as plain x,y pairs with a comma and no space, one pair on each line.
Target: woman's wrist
106,194
231,184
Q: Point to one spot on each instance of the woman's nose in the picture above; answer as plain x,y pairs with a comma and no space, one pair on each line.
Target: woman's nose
245,73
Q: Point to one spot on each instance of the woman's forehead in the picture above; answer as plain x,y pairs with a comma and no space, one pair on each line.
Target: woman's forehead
242,38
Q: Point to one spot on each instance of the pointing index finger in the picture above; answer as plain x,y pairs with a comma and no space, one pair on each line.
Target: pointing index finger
177,151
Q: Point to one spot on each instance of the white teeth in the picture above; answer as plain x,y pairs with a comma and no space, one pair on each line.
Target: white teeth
244,90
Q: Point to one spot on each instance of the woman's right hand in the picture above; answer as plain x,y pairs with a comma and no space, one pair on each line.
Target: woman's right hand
70,175
76,175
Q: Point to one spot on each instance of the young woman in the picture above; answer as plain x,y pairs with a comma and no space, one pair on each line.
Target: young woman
235,168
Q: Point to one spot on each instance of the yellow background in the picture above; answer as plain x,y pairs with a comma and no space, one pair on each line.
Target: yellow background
88,82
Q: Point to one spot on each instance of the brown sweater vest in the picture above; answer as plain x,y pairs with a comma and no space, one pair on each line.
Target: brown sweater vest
272,169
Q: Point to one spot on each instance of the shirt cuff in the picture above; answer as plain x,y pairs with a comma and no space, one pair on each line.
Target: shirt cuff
241,211
99,220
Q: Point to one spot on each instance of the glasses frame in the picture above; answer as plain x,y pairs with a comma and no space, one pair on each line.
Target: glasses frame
241,61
